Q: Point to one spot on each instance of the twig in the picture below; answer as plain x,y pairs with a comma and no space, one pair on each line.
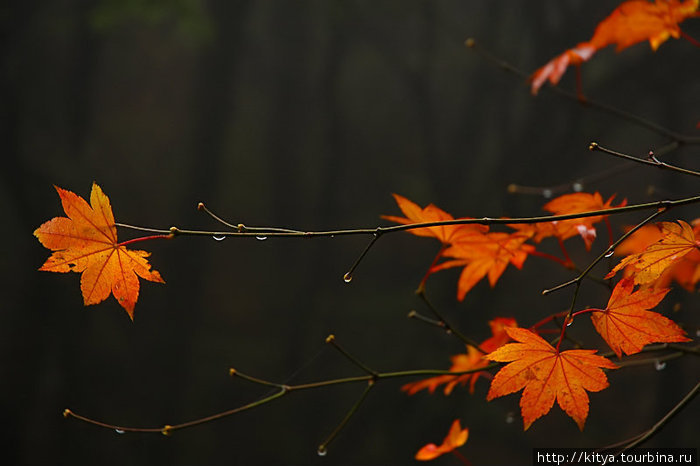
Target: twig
604,254
652,160
572,96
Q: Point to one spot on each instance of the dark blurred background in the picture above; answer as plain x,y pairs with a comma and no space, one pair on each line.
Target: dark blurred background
307,114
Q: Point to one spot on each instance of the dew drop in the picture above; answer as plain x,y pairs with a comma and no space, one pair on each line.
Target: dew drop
547,193
261,238
659,365
568,324
609,253
347,278
119,431
322,451
218,238
577,187
510,417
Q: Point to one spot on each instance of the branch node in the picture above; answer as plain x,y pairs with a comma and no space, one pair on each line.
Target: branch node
593,146
67,412
167,430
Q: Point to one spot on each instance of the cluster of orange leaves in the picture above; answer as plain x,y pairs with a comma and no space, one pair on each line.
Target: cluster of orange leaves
654,255
632,22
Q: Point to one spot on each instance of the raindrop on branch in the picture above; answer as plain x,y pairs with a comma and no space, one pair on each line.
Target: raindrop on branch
119,431
659,365
609,253
218,238
347,278
261,238
322,451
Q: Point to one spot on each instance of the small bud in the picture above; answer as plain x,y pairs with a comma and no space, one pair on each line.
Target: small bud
330,338
67,412
470,43
200,206
593,146
167,430
232,372
512,188
174,230
241,228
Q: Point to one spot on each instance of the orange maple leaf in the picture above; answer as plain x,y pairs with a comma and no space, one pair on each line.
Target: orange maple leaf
86,242
686,271
415,214
631,22
455,438
677,240
547,374
484,255
627,324
575,203
472,360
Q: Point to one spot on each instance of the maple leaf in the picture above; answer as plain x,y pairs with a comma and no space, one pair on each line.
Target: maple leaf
677,240
627,324
86,242
484,255
546,375
455,438
415,214
575,203
473,359
685,271
631,22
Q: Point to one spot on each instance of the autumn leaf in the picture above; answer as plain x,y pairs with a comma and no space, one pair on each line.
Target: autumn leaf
86,242
415,214
473,359
484,255
566,204
455,438
546,375
627,324
677,240
631,22
685,271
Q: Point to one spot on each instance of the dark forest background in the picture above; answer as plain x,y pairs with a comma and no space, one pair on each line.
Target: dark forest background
306,114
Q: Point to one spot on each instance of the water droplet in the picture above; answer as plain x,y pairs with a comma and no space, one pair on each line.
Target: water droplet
547,193
568,324
261,238
510,417
119,431
218,238
659,365
697,333
610,253
578,187
347,278
322,450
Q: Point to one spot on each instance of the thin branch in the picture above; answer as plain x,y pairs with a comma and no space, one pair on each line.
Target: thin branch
332,341
573,96
323,447
602,256
643,437
652,160
270,231
448,327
